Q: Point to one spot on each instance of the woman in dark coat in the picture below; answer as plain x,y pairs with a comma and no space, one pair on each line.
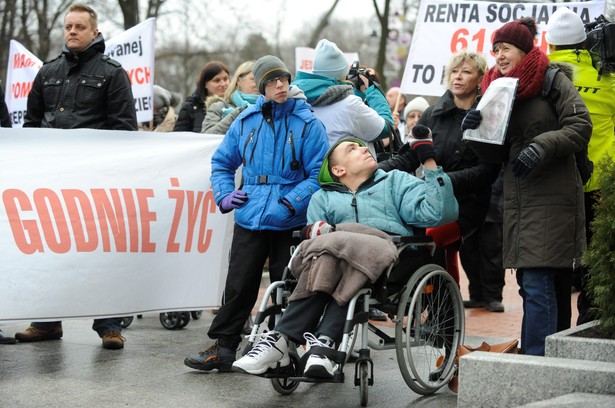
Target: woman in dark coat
544,230
213,80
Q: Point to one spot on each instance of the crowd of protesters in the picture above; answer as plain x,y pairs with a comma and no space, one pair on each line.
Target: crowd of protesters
533,219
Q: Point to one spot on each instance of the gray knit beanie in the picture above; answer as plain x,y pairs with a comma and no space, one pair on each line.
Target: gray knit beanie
162,97
266,68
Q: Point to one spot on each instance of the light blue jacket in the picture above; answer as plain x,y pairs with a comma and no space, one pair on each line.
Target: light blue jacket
281,148
393,202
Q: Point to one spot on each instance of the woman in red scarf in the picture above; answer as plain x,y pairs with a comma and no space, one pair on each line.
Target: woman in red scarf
543,191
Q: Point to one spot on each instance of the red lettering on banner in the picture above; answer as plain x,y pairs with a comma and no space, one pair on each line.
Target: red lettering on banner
140,75
111,220
306,65
80,214
24,61
146,217
196,204
21,89
25,231
209,207
53,221
110,215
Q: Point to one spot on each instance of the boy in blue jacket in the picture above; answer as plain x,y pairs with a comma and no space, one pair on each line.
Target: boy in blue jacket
281,145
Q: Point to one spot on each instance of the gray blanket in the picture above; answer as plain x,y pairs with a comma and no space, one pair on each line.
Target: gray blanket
341,262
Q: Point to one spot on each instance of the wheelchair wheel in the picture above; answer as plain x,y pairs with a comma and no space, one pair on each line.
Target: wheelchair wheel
126,321
171,320
196,314
184,320
430,327
364,382
283,385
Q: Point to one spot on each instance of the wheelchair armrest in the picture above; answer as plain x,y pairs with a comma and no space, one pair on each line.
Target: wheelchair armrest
401,239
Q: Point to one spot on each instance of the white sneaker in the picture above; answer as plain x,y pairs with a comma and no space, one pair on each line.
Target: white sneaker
267,353
318,366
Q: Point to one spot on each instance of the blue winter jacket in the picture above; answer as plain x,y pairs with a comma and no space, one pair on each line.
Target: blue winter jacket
281,148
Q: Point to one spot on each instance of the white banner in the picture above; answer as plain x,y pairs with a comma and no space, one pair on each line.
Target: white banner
304,58
445,27
98,223
134,49
23,66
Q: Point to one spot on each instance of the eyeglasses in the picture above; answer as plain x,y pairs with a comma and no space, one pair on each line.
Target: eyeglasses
284,79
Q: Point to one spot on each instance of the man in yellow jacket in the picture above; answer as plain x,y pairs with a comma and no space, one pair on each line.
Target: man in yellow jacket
566,37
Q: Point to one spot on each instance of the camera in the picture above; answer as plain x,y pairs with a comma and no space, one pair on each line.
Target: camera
353,75
601,44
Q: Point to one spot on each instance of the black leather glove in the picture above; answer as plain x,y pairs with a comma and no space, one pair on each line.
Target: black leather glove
528,159
471,120
421,142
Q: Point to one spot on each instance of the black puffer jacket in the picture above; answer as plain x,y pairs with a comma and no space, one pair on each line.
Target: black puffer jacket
191,115
471,177
84,90
5,119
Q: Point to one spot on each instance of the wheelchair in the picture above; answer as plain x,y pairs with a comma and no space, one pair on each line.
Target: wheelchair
427,310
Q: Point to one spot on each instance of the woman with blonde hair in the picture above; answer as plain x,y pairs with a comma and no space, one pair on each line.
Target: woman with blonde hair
241,92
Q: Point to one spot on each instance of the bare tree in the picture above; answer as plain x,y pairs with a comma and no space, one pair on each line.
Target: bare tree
130,11
47,19
322,24
383,19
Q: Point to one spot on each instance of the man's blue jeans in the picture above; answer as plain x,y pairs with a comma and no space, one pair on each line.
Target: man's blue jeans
101,326
537,289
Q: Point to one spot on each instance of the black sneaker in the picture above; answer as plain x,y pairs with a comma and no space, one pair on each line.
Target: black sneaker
215,357
473,304
495,306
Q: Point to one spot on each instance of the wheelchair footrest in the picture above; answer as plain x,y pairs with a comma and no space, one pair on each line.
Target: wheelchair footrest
338,377
279,372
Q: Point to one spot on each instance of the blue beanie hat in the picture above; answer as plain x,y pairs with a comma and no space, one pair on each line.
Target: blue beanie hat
329,61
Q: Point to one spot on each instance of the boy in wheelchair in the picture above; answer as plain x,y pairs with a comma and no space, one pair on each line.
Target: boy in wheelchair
353,190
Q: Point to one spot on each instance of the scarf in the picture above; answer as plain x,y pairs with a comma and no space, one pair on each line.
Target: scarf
240,100
530,71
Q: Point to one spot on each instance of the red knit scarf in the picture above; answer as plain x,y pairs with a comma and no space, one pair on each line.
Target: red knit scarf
530,71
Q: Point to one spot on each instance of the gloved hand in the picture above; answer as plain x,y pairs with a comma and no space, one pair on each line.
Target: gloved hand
316,229
421,142
234,200
288,205
472,120
528,159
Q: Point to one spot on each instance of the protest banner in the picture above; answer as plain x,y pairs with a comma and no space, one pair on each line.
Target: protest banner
446,27
134,49
304,58
97,223
22,68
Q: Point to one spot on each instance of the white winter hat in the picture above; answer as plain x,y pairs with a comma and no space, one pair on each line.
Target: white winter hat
329,61
565,27
417,104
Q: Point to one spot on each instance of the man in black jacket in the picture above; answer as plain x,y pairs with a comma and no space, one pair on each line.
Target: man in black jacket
5,119
82,88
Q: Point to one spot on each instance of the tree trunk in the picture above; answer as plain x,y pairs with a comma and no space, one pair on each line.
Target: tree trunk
130,11
322,23
383,18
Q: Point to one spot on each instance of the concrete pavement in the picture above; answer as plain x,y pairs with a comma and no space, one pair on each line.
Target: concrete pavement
149,372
